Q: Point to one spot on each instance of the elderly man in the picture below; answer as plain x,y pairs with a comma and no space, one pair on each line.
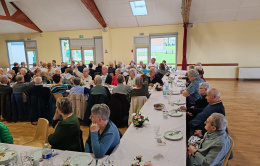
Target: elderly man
21,86
192,92
33,68
153,64
85,77
215,144
121,88
106,78
65,66
153,77
215,106
139,67
79,89
6,92
4,88
98,89
27,76
103,134
23,66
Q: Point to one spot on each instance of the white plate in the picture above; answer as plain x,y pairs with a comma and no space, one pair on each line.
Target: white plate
3,147
176,92
159,108
181,85
179,102
174,113
37,154
8,156
83,158
173,135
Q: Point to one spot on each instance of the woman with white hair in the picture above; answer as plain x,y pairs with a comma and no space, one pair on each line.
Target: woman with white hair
141,88
200,104
130,80
114,79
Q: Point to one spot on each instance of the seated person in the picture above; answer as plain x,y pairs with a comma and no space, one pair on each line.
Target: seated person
91,70
11,74
27,76
192,93
130,80
215,144
5,135
99,68
114,79
153,78
161,71
153,63
215,106
58,87
86,79
200,104
64,67
201,72
67,76
141,88
21,86
16,67
103,134
66,135
79,89
165,65
111,68
32,69
121,88
106,78
144,70
4,87
139,67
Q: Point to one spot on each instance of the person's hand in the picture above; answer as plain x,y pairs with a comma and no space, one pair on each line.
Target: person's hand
179,78
56,125
192,107
57,115
198,133
183,108
151,84
189,154
181,91
192,149
190,114
94,127
18,73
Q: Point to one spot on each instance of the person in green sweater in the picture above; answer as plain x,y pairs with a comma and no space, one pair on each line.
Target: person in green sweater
5,135
67,131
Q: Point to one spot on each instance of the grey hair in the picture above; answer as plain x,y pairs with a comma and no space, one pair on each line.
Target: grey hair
56,69
118,71
111,64
152,68
205,85
214,92
104,66
219,121
37,80
101,110
138,81
193,73
64,105
24,69
3,79
98,79
86,69
120,78
11,72
192,67
119,65
76,80
198,68
133,70
19,78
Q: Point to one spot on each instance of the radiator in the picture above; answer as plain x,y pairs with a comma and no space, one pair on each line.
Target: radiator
249,73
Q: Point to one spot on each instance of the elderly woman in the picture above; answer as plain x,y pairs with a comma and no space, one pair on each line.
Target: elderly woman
111,68
141,88
85,77
66,134
11,75
114,79
121,88
161,69
130,80
200,104
103,134
67,76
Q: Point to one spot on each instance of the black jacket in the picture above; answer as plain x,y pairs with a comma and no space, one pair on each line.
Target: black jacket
5,102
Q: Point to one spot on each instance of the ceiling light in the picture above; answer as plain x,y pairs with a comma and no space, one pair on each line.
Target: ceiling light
138,8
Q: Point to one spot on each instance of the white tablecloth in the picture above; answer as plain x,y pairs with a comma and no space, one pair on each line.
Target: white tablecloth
140,141
58,160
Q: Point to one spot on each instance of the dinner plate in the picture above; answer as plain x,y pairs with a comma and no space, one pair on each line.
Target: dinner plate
179,102
83,158
173,135
174,113
181,85
160,108
36,154
176,92
3,147
7,156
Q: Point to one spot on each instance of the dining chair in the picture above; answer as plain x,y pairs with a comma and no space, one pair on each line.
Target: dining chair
229,152
57,95
137,102
41,134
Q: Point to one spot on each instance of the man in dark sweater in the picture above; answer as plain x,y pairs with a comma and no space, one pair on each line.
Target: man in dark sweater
153,77
27,76
196,126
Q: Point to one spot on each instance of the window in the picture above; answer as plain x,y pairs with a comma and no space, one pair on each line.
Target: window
22,51
163,47
76,55
88,56
65,50
142,55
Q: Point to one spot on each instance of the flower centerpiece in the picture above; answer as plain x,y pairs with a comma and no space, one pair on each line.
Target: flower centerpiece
158,86
138,162
138,119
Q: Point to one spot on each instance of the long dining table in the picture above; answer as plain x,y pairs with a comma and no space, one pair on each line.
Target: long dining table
141,141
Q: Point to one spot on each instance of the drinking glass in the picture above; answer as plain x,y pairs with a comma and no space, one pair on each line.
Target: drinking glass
23,157
156,130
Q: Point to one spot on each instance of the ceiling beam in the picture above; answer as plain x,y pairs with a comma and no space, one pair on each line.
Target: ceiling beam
18,17
186,11
92,7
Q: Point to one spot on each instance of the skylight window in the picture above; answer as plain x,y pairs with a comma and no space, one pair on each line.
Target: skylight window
138,8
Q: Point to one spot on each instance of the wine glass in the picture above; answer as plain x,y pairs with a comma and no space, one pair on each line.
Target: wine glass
156,130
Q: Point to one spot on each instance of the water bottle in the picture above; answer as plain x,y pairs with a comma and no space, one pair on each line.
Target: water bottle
46,155
164,90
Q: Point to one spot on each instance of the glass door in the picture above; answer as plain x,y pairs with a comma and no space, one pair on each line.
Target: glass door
142,55
31,57
76,55
88,56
